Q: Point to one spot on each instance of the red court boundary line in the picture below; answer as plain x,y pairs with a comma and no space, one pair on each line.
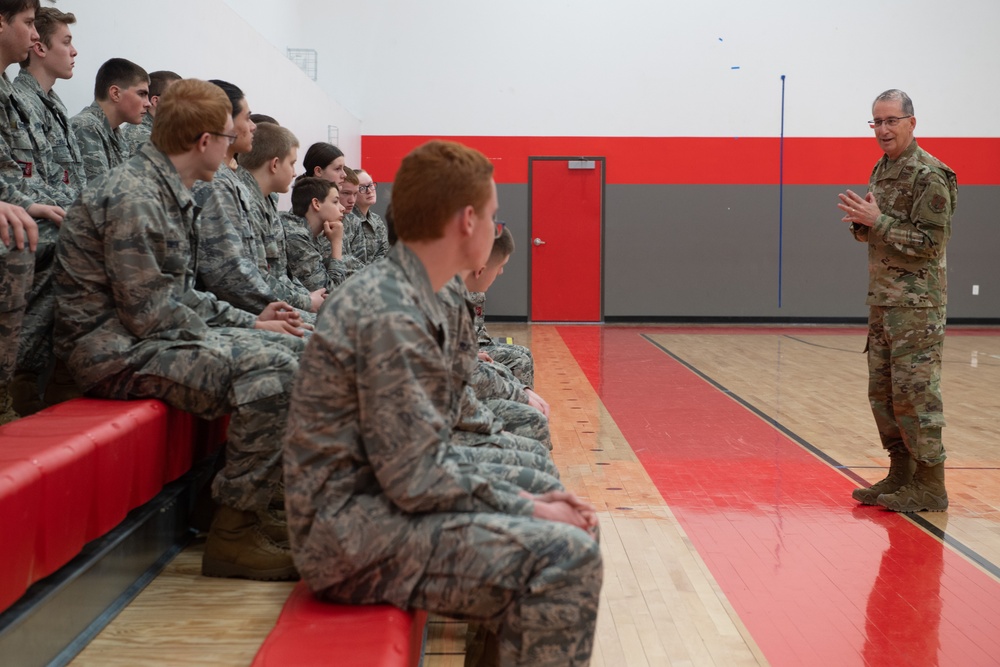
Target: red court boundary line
815,579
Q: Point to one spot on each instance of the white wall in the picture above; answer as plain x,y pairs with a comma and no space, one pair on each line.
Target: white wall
204,39
646,67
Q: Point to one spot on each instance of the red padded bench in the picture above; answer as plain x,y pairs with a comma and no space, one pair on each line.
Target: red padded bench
72,472
311,633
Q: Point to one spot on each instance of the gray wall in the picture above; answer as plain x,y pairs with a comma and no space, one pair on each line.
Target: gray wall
711,251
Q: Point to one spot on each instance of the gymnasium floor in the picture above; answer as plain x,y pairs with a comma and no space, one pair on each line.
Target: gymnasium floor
721,460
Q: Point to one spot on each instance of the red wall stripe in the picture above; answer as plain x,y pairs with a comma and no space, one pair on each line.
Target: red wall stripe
701,160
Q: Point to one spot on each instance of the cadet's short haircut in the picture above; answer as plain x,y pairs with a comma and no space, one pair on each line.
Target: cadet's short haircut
269,142
307,188
160,80
351,176
503,247
434,182
11,8
896,95
118,72
47,20
189,109
259,118
322,155
234,94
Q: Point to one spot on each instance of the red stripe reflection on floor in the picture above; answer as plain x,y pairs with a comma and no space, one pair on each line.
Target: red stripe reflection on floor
816,579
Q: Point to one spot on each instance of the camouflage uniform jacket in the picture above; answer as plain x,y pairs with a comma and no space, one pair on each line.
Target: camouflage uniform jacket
917,195
367,460
60,164
478,301
102,147
20,182
366,239
137,135
125,272
310,258
230,255
265,221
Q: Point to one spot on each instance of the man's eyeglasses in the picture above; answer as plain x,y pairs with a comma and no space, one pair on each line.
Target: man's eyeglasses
891,121
367,188
500,225
232,137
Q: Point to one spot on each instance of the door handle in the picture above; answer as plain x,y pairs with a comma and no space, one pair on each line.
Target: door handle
538,241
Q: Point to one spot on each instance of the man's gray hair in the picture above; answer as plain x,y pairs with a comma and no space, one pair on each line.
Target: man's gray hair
896,95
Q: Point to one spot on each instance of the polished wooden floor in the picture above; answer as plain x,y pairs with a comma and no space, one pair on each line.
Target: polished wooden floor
722,461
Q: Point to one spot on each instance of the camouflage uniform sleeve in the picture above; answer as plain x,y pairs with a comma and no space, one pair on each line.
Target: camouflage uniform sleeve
493,381
92,149
223,269
926,231
408,448
383,238
478,300
12,185
305,262
147,260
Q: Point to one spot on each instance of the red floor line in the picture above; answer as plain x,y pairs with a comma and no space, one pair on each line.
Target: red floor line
816,579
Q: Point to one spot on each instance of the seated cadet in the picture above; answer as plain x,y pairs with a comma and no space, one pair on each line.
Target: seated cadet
314,232
325,160
130,323
515,357
368,239
232,262
271,164
24,156
378,509
121,95
137,135
18,239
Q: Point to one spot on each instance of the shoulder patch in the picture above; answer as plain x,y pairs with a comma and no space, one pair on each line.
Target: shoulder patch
938,203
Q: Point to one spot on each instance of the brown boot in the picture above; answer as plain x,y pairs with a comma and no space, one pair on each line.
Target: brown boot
925,493
274,524
61,386
901,467
25,394
238,547
7,412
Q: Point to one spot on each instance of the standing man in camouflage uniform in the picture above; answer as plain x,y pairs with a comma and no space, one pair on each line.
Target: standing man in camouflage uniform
130,323
379,511
906,221
121,95
18,239
22,184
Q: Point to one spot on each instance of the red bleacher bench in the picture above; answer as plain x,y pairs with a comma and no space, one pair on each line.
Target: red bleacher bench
312,633
72,472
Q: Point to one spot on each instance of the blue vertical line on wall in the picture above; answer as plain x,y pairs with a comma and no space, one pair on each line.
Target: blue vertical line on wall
781,187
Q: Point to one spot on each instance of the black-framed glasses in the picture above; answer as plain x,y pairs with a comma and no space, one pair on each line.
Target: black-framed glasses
891,121
232,137
500,225
367,188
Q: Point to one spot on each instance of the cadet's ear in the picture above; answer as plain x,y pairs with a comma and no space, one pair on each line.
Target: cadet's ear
479,273
273,165
114,93
467,221
315,204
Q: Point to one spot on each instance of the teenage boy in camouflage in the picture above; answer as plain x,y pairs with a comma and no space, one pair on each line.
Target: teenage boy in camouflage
906,221
137,135
314,233
121,95
22,184
130,323
379,512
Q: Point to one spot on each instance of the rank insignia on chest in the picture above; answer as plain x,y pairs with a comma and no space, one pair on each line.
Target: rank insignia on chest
27,168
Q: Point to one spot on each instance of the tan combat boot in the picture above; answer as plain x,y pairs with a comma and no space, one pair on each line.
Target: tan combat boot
925,493
901,467
274,524
25,394
237,546
7,412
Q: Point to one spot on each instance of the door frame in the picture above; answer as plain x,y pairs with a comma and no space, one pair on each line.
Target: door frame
531,223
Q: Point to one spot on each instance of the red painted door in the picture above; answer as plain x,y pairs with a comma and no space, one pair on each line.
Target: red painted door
566,222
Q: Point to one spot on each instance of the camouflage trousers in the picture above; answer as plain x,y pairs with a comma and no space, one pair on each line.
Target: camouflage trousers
506,441
522,419
16,274
904,379
35,352
245,373
533,584
515,357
